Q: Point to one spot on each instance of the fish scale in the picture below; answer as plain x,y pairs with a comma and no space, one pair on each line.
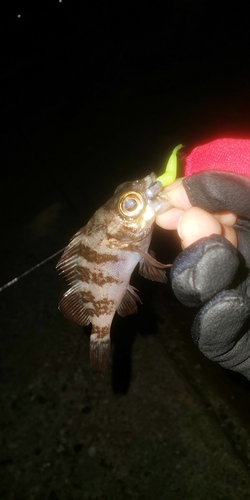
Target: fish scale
100,258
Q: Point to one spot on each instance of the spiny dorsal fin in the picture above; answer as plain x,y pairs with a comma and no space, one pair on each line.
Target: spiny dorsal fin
72,307
68,263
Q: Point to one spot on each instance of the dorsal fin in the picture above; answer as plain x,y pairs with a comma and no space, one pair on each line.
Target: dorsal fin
72,307
68,263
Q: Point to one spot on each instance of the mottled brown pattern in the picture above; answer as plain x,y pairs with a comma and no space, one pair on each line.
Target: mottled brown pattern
103,306
99,278
105,252
88,297
98,307
95,256
100,331
86,274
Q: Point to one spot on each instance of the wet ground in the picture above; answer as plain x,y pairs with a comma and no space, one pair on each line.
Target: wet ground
164,422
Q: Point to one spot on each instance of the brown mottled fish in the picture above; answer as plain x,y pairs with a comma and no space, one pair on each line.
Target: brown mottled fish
101,257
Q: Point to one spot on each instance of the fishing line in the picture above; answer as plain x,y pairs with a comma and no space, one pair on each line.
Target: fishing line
12,282
167,178
75,212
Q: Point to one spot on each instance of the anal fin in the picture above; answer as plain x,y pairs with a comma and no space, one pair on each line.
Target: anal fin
129,301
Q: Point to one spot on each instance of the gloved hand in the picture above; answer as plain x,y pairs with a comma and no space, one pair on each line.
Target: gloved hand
214,275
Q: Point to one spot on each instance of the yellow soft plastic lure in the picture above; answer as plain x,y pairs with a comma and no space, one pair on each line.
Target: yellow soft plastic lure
171,169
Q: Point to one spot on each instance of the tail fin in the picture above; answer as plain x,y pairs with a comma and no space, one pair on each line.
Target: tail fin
99,352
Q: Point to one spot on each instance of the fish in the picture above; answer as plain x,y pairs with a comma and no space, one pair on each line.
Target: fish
101,256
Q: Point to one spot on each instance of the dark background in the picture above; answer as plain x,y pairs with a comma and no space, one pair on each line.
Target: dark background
131,79
93,95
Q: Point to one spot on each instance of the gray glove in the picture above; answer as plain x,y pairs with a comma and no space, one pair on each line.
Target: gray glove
215,276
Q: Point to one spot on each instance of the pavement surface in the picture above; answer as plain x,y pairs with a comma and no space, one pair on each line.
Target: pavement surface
164,422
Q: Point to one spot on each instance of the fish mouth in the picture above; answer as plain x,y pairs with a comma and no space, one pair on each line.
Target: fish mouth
156,198
153,189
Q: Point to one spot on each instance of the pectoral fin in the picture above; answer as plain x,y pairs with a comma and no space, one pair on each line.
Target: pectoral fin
150,271
129,301
150,258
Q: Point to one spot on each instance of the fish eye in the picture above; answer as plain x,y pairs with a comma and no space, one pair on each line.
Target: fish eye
130,204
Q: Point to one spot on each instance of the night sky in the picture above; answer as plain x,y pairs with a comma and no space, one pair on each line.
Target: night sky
93,95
